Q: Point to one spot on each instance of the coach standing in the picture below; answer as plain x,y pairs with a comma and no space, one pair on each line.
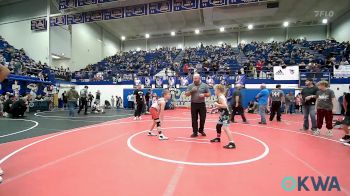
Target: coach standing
263,97
198,92
309,99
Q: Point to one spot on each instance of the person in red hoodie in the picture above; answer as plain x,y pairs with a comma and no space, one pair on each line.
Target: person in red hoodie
259,66
186,68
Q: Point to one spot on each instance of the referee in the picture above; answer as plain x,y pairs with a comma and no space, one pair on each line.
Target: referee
198,92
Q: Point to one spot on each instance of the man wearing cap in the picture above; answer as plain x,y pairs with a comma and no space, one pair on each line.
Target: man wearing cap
198,92
309,99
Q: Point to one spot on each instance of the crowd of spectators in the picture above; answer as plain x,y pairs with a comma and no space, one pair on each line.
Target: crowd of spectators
141,63
255,60
20,64
210,60
310,56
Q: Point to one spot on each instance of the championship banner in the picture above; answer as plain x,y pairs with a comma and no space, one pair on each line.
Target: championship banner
38,24
81,3
148,82
58,21
235,2
212,3
172,82
316,77
93,16
184,81
66,4
159,82
115,13
137,10
288,73
341,71
75,18
160,7
181,5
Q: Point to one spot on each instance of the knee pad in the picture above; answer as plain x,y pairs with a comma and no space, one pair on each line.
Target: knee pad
158,122
218,128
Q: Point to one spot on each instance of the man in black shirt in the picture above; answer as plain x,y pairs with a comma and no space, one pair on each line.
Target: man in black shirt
147,97
309,99
237,108
139,101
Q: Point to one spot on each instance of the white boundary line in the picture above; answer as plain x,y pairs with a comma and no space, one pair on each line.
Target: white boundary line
266,151
189,141
188,138
25,130
115,123
86,117
71,131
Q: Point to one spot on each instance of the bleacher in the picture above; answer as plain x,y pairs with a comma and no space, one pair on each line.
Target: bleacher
22,67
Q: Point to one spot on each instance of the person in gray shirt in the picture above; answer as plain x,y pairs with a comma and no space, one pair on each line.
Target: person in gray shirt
325,102
83,99
276,99
198,92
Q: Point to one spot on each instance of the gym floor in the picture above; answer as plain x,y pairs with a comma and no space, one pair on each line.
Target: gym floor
51,154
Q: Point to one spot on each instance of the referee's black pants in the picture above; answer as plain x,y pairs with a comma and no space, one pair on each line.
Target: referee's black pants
138,110
201,110
275,108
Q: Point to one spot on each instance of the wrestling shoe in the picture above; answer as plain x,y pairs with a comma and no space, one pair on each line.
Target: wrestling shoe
230,145
194,135
346,138
329,133
151,134
162,137
316,132
217,139
347,143
202,133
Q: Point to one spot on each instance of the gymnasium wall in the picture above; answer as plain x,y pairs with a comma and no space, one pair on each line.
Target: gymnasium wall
340,28
15,28
267,35
83,44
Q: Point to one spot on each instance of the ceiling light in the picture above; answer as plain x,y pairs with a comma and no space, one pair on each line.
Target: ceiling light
147,36
285,24
250,26
222,29
196,31
173,33
325,21
55,57
123,38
